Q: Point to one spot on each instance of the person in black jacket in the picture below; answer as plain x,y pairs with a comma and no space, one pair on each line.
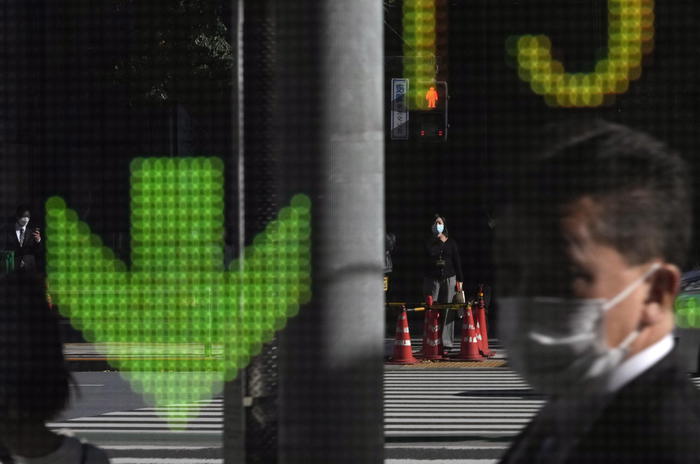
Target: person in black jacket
389,247
23,237
443,274
588,257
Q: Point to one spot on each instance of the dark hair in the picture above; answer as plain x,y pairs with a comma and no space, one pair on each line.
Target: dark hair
640,186
34,379
20,210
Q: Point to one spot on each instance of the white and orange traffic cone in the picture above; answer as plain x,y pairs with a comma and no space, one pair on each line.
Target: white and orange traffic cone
481,326
469,349
432,342
402,344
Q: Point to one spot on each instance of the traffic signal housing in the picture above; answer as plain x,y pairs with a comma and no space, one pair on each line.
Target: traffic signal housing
431,124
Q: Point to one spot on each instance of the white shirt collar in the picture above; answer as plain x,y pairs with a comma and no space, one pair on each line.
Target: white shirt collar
640,362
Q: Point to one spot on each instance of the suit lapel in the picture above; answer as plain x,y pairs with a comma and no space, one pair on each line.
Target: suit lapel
627,406
530,444
531,440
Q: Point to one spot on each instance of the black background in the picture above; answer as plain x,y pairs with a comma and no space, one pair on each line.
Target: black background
494,115
68,130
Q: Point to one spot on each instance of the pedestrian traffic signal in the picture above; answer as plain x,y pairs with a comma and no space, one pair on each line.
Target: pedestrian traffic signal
432,96
431,124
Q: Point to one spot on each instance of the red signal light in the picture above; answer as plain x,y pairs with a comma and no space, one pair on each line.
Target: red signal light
432,97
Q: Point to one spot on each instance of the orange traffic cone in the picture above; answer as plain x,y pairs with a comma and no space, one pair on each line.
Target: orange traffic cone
469,349
402,344
481,326
432,345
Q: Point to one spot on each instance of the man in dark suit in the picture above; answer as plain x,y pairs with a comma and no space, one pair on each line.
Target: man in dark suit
588,255
24,239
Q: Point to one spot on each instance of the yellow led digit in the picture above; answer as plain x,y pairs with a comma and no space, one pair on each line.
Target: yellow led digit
419,66
630,37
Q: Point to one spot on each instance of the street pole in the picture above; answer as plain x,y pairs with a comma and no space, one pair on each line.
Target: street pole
331,104
234,413
261,207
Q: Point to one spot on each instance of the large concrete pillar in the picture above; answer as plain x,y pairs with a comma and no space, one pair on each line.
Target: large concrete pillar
331,110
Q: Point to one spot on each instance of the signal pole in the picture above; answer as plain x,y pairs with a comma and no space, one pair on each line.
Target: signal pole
234,391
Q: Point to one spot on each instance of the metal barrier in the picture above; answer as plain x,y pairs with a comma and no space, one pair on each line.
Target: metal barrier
423,306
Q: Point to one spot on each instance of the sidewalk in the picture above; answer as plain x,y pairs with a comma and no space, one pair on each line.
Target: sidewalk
95,356
499,360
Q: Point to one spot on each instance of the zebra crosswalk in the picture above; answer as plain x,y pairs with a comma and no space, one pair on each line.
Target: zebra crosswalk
204,416
485,406
144,436
460,404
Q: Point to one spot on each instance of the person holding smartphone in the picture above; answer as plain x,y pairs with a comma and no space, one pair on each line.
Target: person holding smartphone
23,238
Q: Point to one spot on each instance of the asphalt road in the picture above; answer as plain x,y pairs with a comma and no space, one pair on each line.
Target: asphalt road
106,412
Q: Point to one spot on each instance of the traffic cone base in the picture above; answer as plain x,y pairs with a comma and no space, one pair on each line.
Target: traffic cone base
403,353
469,349
432,345
482,329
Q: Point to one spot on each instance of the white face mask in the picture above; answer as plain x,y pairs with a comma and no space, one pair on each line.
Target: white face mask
23,221
558,344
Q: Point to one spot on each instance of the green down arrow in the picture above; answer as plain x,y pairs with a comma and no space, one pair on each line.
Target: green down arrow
177,293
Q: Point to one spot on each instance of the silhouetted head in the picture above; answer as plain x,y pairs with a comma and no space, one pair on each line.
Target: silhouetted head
34,378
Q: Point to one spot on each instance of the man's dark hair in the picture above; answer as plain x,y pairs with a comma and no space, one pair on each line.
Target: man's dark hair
34,379
640,187
21,209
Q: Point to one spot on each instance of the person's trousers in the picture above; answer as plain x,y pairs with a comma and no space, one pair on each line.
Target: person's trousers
443,291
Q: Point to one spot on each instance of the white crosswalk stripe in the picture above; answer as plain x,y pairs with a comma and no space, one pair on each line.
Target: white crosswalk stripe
419,404
465,403
206,415
144,435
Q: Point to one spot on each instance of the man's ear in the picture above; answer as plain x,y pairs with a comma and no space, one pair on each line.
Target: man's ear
664,286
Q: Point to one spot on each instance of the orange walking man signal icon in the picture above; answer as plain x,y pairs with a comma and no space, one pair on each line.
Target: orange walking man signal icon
432,96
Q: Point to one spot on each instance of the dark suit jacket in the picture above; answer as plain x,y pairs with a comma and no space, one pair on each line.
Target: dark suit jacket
30,252
653,419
